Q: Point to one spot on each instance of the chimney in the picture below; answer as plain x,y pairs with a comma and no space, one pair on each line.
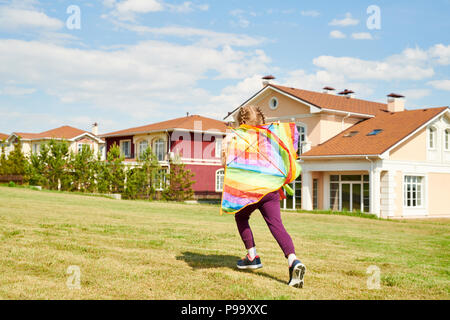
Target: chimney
396,102
347,93
267,80
95,129
328,90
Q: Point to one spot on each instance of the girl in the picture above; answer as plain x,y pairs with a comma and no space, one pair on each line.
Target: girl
269,206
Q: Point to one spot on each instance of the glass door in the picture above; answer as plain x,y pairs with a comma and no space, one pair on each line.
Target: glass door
356,196
345,196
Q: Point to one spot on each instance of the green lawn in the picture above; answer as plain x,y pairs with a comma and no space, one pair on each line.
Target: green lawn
145,250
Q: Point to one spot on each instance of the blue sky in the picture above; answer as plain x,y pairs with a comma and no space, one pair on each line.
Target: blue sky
134,62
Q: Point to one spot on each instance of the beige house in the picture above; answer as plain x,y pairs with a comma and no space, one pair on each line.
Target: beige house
362,155
76,138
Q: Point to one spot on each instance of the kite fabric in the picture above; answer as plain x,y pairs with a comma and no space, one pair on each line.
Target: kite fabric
260,160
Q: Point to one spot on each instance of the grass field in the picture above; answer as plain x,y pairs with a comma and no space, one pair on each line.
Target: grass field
145,250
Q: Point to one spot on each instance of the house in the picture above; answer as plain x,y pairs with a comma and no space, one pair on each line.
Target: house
3,136
362,155
193,139
76,138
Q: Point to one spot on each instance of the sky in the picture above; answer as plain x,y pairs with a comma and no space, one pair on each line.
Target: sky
127,63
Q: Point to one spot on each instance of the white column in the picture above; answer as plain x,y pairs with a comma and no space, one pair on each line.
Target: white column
326,191
307,186
374,180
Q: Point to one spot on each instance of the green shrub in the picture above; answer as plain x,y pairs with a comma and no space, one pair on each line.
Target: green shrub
11,184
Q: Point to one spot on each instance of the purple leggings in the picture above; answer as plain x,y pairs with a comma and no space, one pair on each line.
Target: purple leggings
270,210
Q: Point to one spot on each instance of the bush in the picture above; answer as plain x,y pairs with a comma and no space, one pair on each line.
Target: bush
11,184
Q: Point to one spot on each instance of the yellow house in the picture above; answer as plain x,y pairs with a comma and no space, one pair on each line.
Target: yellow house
76,138
363,155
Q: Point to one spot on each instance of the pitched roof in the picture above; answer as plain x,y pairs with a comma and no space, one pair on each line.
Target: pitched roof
326,101
64,132
395,126
3,136
334,102
187,123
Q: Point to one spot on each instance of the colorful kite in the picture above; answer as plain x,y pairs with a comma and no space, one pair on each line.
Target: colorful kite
260,160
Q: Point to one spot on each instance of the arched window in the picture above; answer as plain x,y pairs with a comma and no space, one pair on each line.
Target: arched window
301,137
431,138
159,148
220,174
447,139
143,145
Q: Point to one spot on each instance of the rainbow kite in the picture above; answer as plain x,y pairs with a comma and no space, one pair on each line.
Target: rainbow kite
260,160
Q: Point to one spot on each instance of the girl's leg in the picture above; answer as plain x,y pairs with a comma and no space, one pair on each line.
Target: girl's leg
243,226
270,210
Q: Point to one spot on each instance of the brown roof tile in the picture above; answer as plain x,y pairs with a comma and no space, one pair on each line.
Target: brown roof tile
395,126
188,123
3,136
64,132
335,102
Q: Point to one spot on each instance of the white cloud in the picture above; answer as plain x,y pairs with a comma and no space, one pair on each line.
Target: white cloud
362,36
13,19
126,10
151,77
415,94
442,53
310,13
440,84
205,37
347,21
16,91
241,20
336,34
401,66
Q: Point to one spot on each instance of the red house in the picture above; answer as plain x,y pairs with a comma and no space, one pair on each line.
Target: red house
194,139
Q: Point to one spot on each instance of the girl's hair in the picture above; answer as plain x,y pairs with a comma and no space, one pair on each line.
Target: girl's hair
250,113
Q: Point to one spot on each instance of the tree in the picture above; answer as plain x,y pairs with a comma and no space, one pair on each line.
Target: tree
16,163
179,187
57,165
115,170
82,169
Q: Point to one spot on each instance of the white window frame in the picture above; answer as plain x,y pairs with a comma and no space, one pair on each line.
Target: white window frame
157,148
447,139
218,147
36,147
432,137
300,142
129,148
80,146
423,191
219,179
277,102
141,150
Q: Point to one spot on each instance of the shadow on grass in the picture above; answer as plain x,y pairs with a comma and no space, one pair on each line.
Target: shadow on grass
208,261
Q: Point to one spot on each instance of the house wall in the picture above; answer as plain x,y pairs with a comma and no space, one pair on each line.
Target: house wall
414,149
116,140
319,126
195,146
205,179
438,194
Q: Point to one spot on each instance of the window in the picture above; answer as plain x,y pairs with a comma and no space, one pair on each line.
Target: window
80,147
413,191
447,139
159,183
273,103
125,148
160,149
374,132
143,145
351,134
315,194
431,138
218,147
301,138
220,174
36,148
